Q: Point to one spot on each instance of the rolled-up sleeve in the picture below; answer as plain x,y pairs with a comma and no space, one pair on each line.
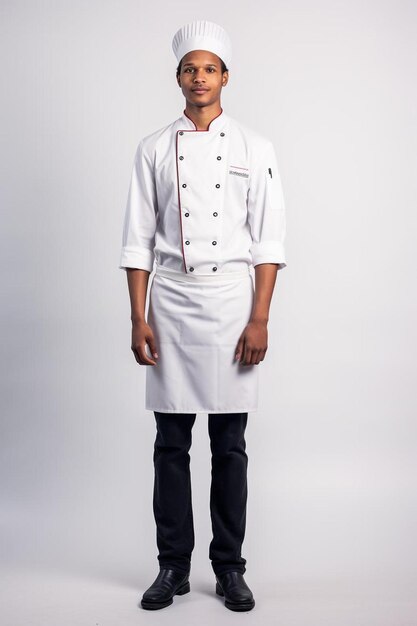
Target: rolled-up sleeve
138,239
266,211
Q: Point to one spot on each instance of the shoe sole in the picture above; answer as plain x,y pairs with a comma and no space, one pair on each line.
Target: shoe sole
235,606
147,604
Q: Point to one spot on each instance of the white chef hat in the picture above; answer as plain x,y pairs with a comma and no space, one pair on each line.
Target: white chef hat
202,35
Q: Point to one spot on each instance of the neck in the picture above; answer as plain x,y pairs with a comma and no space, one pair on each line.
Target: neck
202,116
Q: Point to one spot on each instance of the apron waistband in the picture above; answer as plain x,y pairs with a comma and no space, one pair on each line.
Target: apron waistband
209,278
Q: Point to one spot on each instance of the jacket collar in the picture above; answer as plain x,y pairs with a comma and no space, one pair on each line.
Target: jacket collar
218,122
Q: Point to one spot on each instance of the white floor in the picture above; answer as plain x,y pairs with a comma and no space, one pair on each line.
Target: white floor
53,598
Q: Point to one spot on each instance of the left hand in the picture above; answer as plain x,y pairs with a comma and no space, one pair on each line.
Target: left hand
252,344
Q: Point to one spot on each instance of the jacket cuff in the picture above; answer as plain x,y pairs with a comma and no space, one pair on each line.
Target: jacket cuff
268,252
141,258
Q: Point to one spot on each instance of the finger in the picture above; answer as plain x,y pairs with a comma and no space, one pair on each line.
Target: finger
262,354
239,348
242,351
152,348
245,353
146,357
255,357
248,357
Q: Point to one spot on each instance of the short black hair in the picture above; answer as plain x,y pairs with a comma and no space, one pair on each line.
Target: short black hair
223,67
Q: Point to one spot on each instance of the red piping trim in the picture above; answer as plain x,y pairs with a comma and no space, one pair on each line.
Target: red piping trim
179,202
186,130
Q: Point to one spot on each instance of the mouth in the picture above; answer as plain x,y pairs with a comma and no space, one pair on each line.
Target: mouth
200,90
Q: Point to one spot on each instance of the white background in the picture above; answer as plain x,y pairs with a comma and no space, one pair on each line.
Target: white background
331,515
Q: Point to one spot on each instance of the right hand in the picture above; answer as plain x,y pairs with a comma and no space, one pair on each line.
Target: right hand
142,334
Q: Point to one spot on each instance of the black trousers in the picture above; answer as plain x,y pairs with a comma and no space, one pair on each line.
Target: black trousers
172,503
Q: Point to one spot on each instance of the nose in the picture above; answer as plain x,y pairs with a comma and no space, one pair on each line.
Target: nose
199,75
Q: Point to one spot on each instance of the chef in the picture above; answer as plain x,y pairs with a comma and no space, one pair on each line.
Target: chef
205,207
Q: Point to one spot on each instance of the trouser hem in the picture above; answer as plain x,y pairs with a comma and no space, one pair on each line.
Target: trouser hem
180,570
219,572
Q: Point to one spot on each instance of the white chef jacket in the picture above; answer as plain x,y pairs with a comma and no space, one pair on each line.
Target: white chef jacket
204,201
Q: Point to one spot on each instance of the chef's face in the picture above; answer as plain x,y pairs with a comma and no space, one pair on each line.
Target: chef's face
200,68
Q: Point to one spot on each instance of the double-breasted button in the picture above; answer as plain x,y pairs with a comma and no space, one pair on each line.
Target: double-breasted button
221,134
191,269
181,158
218,158
214,269
186,214
214,243
215,214
184,185
181,132
187,242
216,185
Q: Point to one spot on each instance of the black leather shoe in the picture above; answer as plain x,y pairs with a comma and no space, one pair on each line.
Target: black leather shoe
167,584
237,595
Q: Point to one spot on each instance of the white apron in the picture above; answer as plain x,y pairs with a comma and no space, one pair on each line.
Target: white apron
197,322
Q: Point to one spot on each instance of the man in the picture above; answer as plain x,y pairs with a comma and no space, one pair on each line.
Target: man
205,201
